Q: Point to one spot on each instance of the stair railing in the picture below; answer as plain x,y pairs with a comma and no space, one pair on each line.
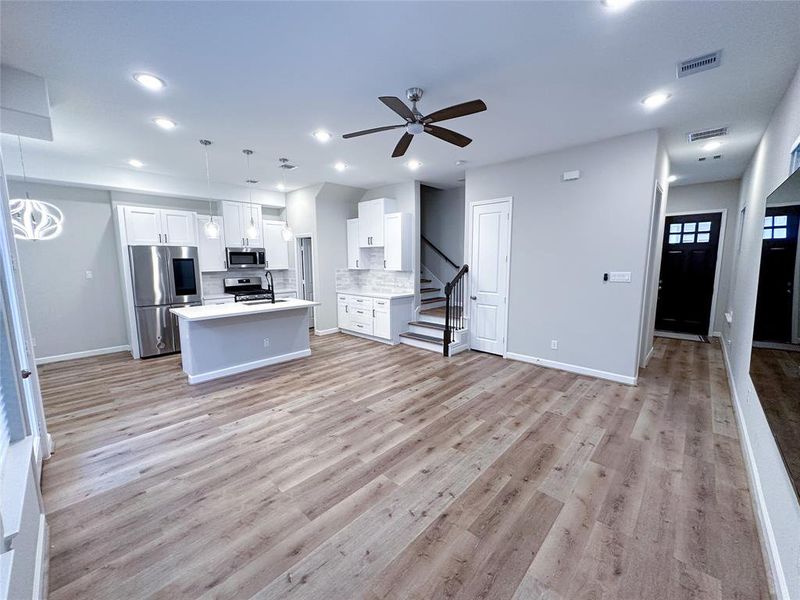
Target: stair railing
439,252
454,294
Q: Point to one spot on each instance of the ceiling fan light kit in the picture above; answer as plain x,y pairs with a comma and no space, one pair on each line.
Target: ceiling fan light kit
416,123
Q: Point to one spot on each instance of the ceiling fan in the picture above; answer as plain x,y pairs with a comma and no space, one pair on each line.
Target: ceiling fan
416,123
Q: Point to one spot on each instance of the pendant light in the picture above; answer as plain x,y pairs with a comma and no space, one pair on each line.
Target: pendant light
286,232
251,231
34,219
211,228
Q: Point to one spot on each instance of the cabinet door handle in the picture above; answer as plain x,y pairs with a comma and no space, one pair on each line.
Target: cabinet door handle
384,263
373,313
159,238
346,308
356,263
267,265
165,238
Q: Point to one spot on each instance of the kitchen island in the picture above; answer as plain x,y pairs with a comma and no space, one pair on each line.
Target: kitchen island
225,339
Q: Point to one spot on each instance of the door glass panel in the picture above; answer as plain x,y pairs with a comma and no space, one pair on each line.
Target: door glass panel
185,282
688,239
779,221
767,234
780,233
689,227
703,237
675,228
674,239
767,221
704,226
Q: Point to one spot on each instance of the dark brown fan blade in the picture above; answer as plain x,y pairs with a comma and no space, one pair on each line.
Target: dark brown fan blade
458,110
366,131
398,106
402,145
448,135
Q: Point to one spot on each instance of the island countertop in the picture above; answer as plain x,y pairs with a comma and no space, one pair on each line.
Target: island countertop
238,309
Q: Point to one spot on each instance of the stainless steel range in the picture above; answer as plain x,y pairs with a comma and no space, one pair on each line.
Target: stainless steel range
249,288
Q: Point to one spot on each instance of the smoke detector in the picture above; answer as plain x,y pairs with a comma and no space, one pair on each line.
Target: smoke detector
699,63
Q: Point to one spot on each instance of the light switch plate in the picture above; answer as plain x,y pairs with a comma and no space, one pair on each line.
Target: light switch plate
570,175
619,276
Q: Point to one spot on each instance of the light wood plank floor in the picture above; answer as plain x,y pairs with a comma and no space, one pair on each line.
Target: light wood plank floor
369,471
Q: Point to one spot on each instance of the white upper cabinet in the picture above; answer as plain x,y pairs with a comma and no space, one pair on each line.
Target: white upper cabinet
397,242
277,250
179,227
237,221
354,254
370,221
211,253
147,226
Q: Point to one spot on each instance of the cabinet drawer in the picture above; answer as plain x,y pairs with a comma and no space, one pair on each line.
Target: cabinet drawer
365,328
343,298
360,302
361,315
381,304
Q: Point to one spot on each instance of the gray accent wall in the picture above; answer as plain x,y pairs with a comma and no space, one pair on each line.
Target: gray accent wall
779,509
565,236
714,196
69,313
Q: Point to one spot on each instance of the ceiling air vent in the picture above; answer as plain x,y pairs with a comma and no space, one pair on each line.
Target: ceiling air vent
696,136
699,63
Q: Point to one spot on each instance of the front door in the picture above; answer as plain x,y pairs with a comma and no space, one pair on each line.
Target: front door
491,227
688,268
776,285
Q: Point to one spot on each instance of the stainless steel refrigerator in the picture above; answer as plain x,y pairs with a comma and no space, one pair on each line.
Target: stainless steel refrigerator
163,277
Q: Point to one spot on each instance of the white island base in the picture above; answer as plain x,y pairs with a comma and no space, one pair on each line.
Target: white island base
222,340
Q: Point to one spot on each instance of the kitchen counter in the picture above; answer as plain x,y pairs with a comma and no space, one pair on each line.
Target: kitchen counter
224,339
376,294
237,309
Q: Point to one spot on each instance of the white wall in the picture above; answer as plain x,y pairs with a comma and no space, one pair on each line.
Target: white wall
69,313
565,235
780,515
442,222
708,197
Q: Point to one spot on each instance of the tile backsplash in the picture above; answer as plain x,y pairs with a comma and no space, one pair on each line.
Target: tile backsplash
377,281
212,282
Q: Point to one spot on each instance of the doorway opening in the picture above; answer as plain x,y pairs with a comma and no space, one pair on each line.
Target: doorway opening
687,285
305,274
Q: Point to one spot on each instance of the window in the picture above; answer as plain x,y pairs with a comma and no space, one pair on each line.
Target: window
775,227
692,232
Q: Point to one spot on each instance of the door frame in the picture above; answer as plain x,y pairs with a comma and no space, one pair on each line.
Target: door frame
298,286
717,267
652,270
468,253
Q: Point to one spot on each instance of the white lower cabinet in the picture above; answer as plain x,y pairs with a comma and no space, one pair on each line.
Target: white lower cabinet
380,318
213,301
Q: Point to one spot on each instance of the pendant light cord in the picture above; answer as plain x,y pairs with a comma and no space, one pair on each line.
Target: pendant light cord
208,185
22,162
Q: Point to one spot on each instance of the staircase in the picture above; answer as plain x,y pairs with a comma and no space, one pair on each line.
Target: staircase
430,329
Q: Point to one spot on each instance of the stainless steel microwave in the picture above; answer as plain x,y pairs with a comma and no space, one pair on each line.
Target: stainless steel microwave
246,258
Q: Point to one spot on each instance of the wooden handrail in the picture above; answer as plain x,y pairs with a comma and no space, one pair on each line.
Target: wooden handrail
439,252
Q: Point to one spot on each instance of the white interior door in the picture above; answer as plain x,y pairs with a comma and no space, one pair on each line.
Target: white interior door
491,225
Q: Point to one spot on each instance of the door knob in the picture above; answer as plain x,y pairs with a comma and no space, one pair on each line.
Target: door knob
473,297
25,373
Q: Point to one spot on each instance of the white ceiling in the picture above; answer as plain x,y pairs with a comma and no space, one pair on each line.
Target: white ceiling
264,75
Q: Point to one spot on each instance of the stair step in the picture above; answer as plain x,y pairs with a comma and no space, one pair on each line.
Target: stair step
427,324
422,338
433,312
432,300
425,290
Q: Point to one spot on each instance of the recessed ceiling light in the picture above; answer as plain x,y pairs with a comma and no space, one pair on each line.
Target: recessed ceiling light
151,82
280,187
617,4
413,165
672,178
322,136
460,163
708,147
656,100
164,123
134,162
340,166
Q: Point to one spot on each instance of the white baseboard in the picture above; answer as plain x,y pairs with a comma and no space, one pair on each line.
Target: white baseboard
552,364
256,364
42,560
769,544
326,331
82,354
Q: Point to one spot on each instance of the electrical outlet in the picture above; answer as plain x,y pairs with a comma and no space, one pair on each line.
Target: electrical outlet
266,342
553,344
89,275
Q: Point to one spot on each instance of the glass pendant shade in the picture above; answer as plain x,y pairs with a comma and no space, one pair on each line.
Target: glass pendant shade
287,234
252,230
211,229
35,219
